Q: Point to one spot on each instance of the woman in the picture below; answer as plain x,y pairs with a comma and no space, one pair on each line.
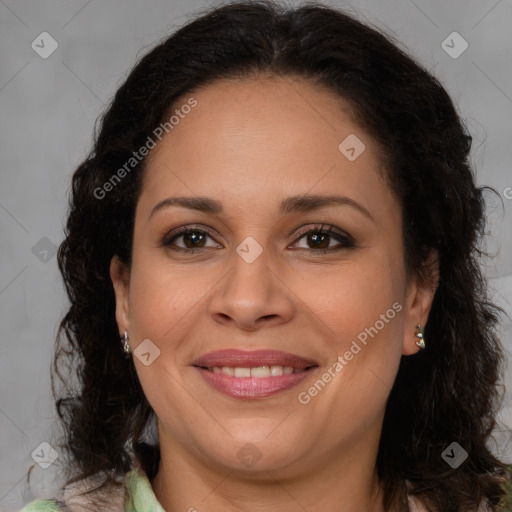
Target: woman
279,222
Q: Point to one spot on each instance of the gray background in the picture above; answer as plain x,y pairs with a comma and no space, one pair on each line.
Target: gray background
48,109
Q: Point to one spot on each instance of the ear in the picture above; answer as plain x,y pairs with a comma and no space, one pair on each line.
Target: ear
419,298
120,276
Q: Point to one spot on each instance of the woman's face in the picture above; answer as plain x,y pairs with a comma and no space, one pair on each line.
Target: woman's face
263,153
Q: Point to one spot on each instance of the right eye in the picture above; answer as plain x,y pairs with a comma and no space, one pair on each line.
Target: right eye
193,239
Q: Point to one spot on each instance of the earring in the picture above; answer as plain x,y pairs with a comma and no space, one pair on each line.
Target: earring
419,335
126,347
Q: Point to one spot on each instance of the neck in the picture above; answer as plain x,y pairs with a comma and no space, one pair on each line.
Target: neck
343,480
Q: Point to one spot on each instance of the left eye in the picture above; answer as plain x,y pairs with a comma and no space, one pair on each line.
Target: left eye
320,238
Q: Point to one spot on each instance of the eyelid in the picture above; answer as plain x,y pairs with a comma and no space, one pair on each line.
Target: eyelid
345,241
183,230
322,228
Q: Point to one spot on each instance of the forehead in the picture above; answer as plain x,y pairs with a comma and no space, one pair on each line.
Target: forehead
263,106
259,138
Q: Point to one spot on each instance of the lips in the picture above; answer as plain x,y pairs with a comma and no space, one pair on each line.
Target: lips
255,374
252,359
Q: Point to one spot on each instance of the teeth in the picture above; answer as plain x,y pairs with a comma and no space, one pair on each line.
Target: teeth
276,370
259,371
242,372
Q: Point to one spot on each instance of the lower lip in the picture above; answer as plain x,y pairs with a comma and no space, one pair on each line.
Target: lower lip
252,387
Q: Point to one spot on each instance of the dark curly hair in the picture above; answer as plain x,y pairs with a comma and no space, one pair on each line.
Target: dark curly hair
446,393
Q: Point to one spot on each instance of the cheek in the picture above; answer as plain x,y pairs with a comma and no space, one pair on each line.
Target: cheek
358,308
162,296
351,296
363,363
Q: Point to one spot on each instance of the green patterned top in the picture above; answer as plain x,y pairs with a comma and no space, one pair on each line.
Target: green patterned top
139,497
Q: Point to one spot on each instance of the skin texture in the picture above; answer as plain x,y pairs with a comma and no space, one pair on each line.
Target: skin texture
250,144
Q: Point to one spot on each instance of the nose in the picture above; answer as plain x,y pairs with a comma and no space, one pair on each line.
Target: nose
252,295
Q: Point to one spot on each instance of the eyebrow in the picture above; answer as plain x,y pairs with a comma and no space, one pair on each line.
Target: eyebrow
292,204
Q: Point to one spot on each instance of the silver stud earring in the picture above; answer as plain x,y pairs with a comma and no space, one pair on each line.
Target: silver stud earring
126,346
419,335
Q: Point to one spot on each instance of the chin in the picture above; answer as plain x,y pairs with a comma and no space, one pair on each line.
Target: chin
251,456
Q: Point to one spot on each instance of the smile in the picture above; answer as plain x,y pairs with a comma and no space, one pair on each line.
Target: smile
258,371
253,374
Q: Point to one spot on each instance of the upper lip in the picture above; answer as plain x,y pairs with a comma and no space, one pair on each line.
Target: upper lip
252,359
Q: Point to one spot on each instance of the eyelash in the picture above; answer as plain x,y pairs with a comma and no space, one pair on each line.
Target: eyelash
346,240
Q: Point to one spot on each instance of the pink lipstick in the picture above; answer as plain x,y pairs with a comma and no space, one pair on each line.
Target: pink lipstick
253,374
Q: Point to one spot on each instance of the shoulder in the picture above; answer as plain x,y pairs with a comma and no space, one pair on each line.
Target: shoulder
81,496
41,506
87,495
416,506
